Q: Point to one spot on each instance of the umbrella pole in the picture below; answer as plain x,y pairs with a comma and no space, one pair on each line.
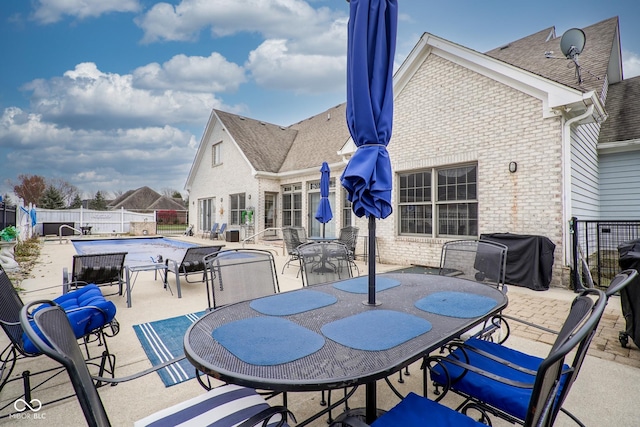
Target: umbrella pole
372,260
323,225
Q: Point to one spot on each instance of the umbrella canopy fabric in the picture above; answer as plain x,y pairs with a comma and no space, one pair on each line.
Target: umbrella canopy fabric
324,214
371,46
370,52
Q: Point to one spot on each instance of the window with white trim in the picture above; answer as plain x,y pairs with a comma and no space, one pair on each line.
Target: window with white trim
292,205
216,158
237,203
446,196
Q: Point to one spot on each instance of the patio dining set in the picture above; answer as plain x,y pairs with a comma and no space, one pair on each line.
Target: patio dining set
323,337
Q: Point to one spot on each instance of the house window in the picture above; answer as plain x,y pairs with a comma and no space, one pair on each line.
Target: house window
346,209
206,213
237,204
216,159
444,196
292,205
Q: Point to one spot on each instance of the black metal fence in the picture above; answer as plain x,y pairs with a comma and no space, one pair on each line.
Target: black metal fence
7,215
599,241
170,222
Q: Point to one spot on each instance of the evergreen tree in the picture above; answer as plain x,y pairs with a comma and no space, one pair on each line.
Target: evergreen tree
98,203
76,203
51,199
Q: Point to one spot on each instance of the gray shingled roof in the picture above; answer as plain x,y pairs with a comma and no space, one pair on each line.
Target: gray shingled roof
266,145
528,53
318,139
144,198
623,106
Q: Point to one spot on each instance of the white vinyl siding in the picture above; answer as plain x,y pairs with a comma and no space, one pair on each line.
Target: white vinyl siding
619,189
584,172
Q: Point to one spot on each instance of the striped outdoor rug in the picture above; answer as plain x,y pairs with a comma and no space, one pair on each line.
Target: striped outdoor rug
163,340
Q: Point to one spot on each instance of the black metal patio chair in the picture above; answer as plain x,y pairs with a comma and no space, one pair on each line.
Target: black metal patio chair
235,275
323,262
349,237
500,381
94,321
293,237
226,405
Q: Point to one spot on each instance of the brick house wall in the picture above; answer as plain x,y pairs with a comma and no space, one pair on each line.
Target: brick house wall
448,115
233,175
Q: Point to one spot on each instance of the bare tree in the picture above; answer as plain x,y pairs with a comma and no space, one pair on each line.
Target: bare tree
30,188
67,191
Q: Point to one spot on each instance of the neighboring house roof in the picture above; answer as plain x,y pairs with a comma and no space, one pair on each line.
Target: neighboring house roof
601,55
623,106
264,144
144,198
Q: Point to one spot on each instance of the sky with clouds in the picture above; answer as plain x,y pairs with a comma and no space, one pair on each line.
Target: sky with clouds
113,95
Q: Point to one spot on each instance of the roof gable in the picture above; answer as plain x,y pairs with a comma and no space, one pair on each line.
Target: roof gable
602,44
318,139
265,145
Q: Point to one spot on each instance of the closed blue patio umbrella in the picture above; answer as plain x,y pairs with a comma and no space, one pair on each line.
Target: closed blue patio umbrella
324,214
370,52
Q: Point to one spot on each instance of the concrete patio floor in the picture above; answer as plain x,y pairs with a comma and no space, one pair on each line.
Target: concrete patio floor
604,394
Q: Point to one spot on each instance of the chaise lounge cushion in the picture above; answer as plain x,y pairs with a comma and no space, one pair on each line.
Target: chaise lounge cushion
87,310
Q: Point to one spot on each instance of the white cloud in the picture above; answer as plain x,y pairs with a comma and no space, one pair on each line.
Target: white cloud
271,18
96,159
88,97
303,48
192,74
50,11
630,64
272,66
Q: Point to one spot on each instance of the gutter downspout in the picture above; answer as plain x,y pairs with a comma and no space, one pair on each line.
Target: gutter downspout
566,179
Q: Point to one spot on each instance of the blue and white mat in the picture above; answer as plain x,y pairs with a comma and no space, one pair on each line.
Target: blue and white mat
162,340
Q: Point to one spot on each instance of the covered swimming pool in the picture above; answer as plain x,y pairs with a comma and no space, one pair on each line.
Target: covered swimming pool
139,250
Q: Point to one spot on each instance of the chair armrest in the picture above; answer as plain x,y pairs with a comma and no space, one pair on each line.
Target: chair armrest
524,322
443,360
267,414
138,374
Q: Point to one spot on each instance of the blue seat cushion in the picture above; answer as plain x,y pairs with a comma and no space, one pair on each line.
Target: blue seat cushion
227,405
510,399
87,310
414,410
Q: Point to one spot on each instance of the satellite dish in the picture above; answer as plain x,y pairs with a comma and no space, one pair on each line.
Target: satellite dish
572,43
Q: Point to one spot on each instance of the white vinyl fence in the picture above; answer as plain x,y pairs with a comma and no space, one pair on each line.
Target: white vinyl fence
99,221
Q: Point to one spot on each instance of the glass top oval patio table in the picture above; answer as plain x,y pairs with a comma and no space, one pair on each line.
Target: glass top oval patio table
326,337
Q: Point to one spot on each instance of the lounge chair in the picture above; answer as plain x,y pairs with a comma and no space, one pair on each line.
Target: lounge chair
99,269
220,232
225,405
190,264
212,232
93,318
